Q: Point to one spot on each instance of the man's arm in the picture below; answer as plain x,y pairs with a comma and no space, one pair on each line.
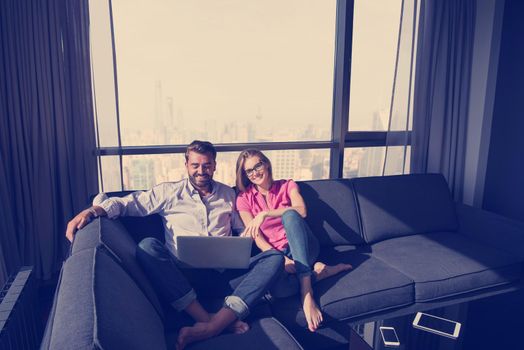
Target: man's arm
139,203
82,219
237,224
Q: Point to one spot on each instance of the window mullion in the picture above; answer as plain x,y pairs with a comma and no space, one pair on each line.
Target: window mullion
341,85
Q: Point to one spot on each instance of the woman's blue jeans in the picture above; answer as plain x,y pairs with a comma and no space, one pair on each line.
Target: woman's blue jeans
303,249
242,288
303,245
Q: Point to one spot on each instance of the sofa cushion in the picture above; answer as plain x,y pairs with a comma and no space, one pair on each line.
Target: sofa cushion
100,307
394,206
112,235
265,333
443,264
332,211
370,286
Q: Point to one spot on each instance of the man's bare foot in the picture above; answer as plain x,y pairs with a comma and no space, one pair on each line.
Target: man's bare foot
238,327
322,270
199,331
312,312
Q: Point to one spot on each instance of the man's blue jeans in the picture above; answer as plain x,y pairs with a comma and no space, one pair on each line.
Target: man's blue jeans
303,249
242,288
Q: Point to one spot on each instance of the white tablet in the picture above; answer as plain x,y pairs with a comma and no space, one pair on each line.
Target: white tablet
437,325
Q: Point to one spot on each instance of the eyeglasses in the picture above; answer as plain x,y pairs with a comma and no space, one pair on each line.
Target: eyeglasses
257,168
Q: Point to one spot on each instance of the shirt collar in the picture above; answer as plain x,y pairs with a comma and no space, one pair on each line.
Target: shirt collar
272,189
193,190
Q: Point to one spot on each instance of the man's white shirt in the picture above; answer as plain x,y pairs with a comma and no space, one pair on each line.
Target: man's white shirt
183,211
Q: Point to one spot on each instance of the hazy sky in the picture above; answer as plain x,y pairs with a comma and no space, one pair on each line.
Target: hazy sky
226,60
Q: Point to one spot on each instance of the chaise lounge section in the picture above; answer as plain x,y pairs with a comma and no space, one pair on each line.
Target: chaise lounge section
412,249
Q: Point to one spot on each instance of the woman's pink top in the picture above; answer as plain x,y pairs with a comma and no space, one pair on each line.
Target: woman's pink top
253,202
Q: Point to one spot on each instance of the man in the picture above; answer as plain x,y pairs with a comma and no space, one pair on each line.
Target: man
197,205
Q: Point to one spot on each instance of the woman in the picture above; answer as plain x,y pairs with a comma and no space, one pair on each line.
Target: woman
273,213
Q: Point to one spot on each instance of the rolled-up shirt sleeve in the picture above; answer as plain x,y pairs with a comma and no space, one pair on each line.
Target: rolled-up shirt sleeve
139,203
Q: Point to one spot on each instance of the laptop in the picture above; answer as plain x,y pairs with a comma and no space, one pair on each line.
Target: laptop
218,252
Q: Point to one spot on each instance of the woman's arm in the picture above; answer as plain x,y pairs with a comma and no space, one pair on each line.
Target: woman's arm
260,241
253,223
297,204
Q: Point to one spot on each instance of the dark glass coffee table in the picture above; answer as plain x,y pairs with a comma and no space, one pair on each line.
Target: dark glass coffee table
491,323
367,336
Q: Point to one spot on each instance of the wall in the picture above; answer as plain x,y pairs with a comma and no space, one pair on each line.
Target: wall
484,70
497,322
504,186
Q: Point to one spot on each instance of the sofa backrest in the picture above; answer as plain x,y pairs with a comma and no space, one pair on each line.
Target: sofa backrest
98,306
402,205
141,227
332,211
114,237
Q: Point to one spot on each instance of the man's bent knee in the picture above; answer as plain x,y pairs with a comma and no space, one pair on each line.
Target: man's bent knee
150,246
274,256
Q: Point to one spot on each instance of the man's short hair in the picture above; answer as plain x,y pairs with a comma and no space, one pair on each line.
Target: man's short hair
201,147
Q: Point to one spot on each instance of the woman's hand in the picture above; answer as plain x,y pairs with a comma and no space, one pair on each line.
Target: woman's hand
289,265
253,227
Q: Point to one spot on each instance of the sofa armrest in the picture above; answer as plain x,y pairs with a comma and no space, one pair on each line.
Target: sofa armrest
490,228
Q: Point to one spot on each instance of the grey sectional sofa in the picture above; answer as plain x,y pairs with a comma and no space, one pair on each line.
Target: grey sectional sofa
411,246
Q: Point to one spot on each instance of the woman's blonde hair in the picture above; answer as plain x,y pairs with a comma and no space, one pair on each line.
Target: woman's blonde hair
242,181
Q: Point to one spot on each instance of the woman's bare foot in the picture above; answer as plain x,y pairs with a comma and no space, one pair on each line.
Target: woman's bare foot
199,331
322,270
312,312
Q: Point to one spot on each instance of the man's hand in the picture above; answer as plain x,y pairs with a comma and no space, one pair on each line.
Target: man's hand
253,227
289,265
79,221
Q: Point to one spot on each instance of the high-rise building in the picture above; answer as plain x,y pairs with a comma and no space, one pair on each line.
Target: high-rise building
285,164
142,173
159,115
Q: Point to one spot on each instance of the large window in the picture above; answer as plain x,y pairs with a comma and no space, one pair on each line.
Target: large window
375,36
226,71
382,59
240,73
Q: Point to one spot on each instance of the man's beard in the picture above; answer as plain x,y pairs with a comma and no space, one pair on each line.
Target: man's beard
201,180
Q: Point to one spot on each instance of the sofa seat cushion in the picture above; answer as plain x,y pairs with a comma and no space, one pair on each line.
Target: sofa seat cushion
114,237
99,306
443,264
265,333
369,287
